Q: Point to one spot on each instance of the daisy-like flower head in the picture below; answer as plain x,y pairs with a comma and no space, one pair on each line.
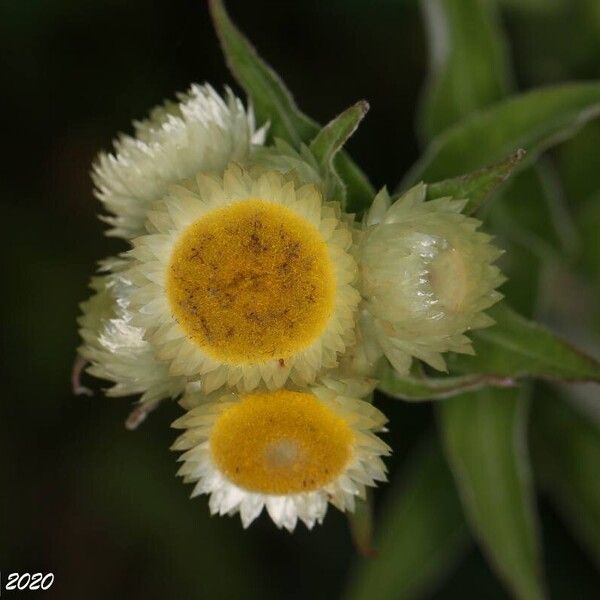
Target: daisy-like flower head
116,349
246,279
290,451
427,276
201,132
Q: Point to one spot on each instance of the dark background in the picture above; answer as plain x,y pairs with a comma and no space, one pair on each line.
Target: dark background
82,497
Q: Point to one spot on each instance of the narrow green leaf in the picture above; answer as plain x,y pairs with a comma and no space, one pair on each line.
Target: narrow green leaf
274,103
535,121
329,141
361,526
485,440
422,533
271,99
477,186
515,347
468,62
566,452
418,388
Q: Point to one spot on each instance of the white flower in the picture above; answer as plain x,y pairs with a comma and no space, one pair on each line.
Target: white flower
427,276
246,278
202,132
292,452
117,350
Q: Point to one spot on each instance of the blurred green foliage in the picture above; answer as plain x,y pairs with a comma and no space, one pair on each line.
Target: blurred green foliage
99,506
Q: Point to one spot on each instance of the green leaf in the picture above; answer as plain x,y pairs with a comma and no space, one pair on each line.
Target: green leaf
515,347
415,388
422,533
566,451
535,121
468,62
273,103
477,186
271,99
329,141
485,440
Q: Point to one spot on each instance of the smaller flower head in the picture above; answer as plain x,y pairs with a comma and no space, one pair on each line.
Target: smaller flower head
292,452
427,277
201,132
246,279
116,349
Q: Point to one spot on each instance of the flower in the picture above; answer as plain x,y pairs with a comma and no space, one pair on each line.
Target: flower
117,350
427,276
202,132
244,279
290,451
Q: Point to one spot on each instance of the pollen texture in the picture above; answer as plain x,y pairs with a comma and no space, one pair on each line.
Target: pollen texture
281,442
251,282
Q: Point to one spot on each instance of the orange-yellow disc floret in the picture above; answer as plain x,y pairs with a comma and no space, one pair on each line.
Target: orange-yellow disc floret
252,281
281,442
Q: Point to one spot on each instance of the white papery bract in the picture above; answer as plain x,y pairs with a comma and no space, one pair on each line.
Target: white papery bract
363,466
426,276
203,197
201,132
116,349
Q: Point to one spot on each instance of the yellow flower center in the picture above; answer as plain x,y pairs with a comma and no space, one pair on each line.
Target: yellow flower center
251,282
281,442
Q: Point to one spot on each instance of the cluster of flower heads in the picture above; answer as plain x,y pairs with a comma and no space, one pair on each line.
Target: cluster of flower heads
253,298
